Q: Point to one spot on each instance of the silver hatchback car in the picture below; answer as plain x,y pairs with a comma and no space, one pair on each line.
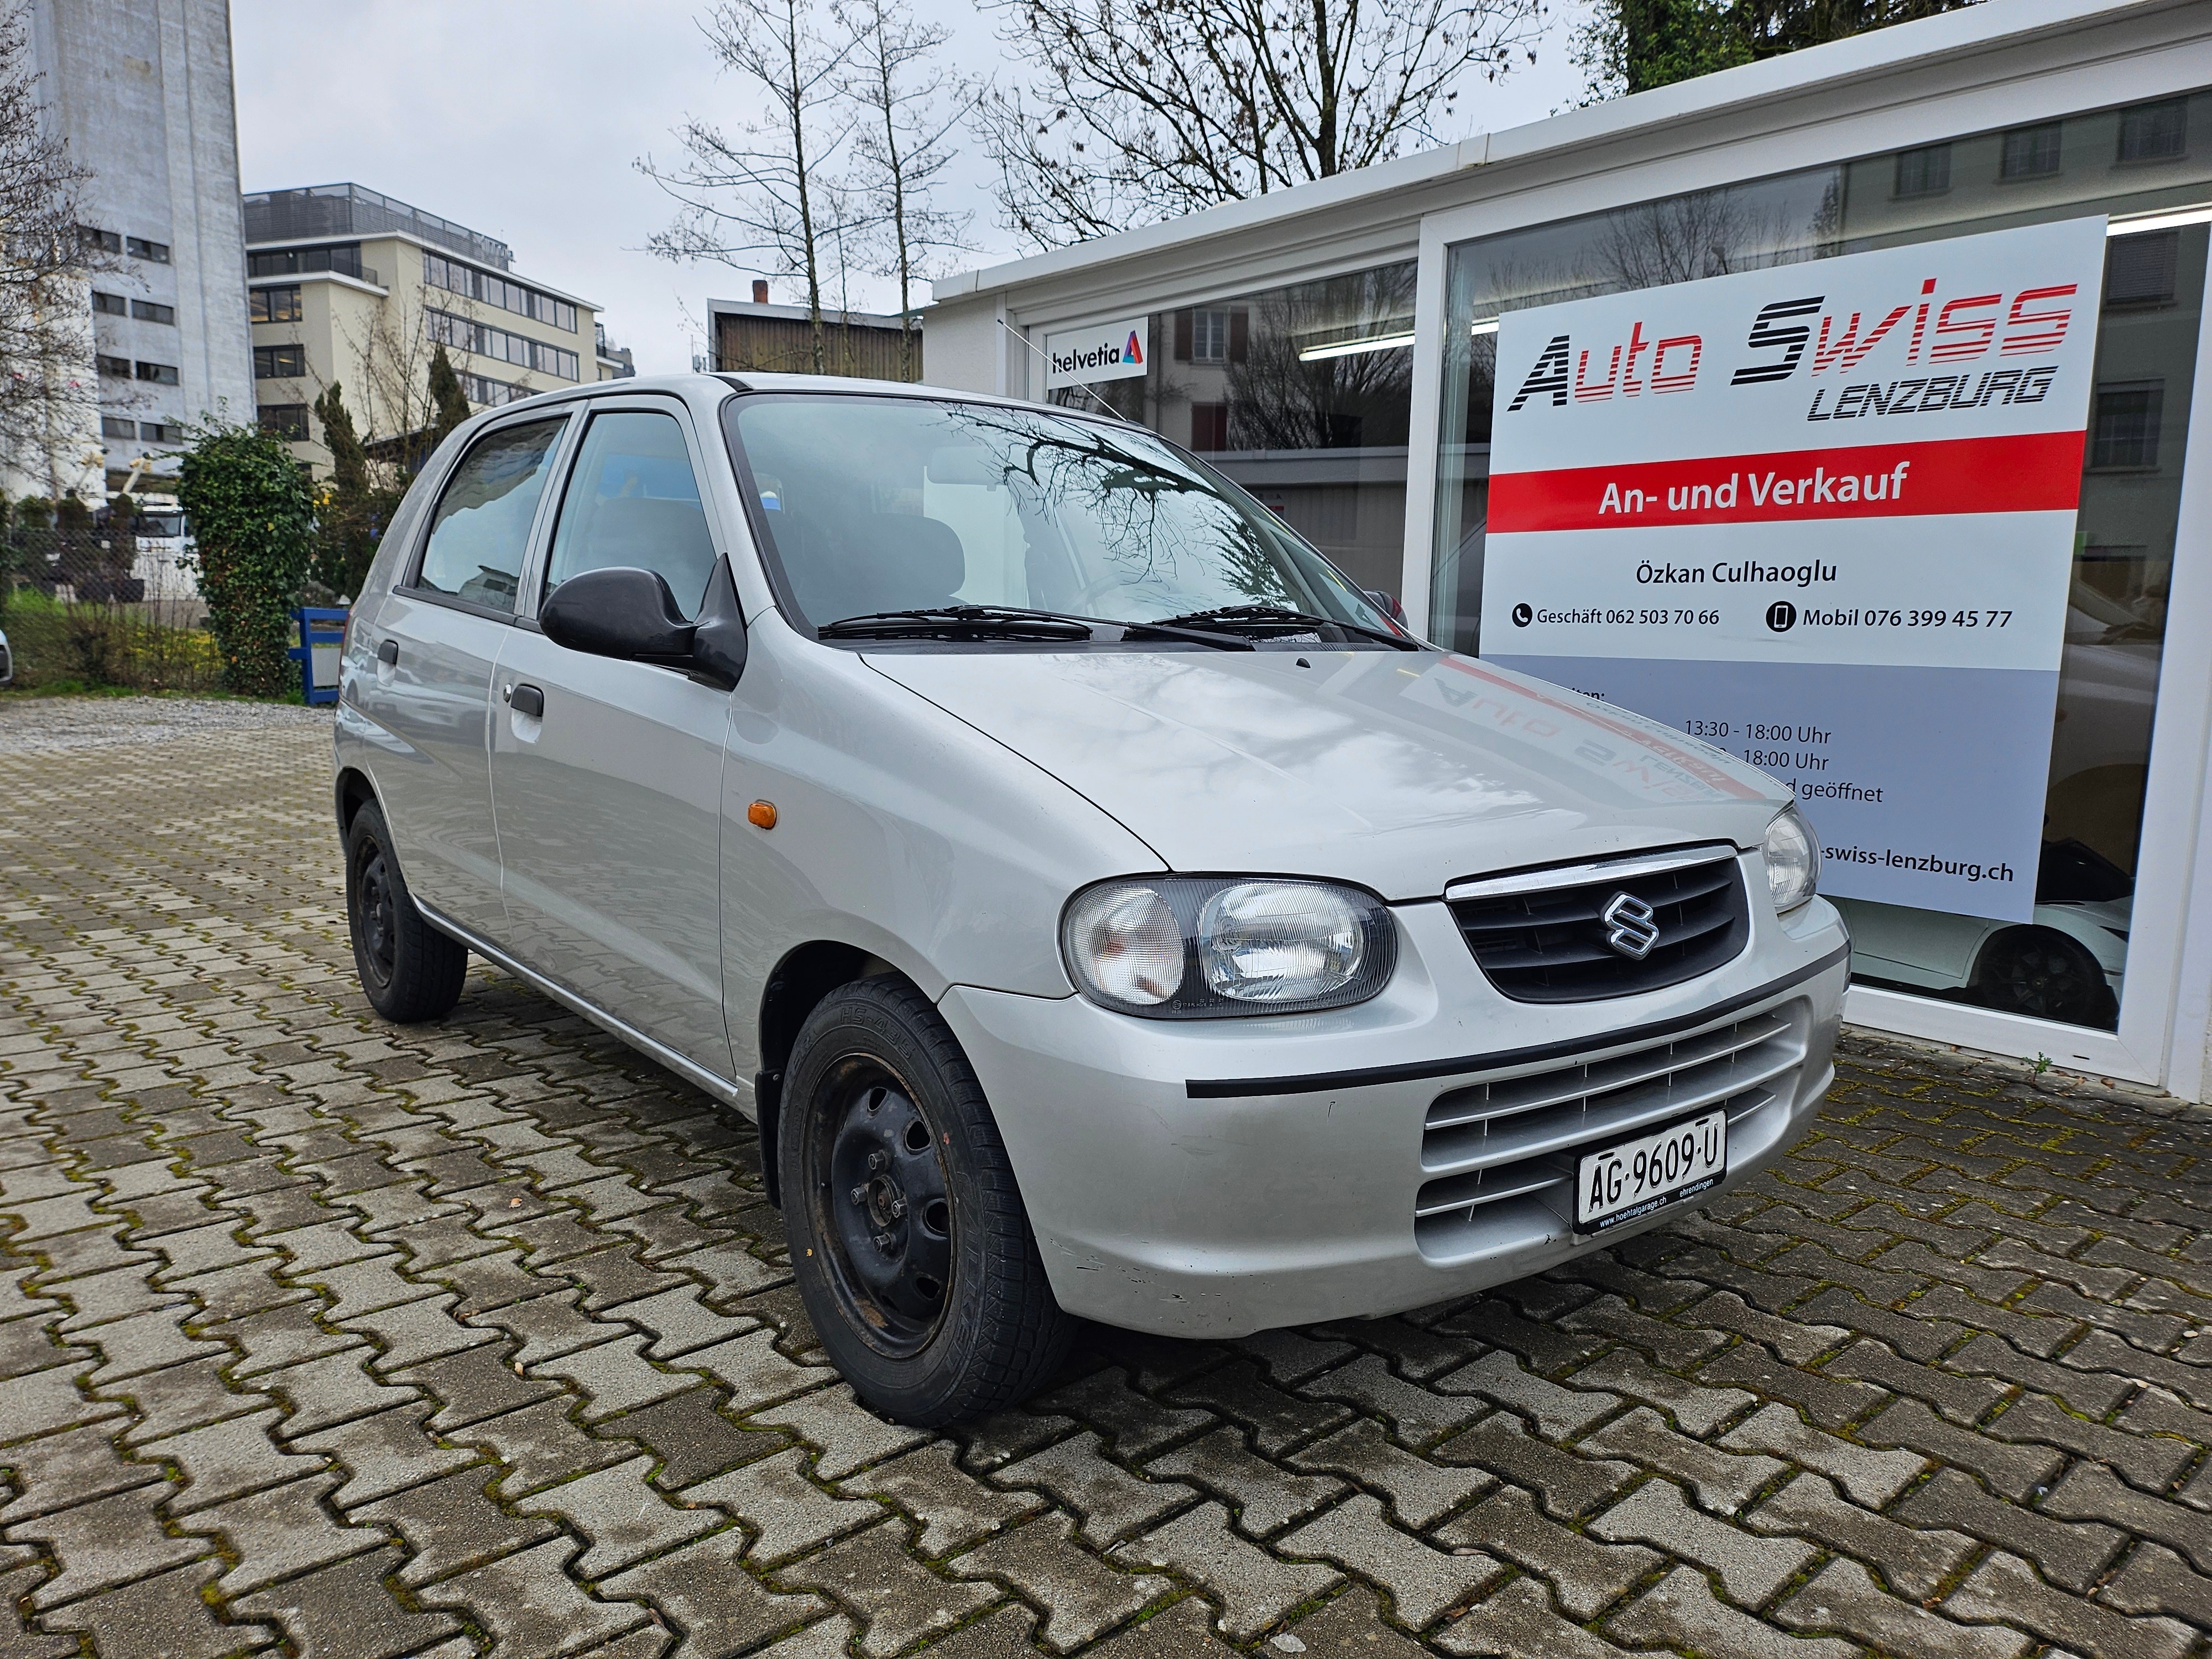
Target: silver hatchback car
1103,908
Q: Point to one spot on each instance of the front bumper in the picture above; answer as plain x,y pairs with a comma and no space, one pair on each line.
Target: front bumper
1214,1178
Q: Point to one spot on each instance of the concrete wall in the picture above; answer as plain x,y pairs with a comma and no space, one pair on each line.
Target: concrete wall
140,91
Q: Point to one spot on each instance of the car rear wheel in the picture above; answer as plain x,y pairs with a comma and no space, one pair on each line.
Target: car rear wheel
409,970
913,1252
2040,972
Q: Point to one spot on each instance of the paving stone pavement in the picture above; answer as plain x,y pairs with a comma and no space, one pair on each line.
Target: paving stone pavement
323,1337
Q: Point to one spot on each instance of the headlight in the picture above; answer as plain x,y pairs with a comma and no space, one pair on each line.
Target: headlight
1793,860
1195,947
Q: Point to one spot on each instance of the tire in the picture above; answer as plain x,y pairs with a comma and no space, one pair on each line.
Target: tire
913,1252
409,970
2041,972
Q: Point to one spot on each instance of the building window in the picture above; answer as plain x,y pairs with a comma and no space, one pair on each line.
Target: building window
140,248
343,258
439,272
101,241
287,421
1923,171
114,426
2141,270
158,374
459,334
1209,337
119,367
147,311
273,305
2125,436
159,432
279,363
2154,132
2030,152
110,305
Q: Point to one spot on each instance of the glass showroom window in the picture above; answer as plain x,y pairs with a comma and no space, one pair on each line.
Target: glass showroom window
1301,394
2067,963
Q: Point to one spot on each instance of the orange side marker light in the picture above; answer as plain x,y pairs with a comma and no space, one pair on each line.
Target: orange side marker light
762,814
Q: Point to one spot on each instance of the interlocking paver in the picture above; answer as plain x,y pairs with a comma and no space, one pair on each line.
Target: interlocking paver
786,1512
2005,1588
1656,1513
234,1208
1252,1588
956,1509
895,1600
1870,1476
845,1434
1841,1597
531,1606
1423,1581
282,1531
1585,1576
1108,1501
1081,1596
1421,1493
1724,1482
1681,1611
701,1590
1265,1497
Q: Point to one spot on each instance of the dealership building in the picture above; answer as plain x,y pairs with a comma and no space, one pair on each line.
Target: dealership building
2033,181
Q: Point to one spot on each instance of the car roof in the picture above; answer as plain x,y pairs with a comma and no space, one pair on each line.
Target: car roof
698,387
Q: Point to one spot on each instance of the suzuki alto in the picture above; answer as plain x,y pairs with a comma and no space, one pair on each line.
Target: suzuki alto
1103,906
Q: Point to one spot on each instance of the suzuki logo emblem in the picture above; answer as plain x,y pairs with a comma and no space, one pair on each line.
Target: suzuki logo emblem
1631,927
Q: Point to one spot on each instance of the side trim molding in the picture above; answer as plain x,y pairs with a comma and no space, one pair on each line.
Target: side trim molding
720,1087
1318,1082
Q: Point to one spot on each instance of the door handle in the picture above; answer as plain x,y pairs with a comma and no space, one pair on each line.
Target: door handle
528,700
388,652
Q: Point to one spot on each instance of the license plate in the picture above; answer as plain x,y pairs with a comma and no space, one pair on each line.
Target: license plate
1629,1180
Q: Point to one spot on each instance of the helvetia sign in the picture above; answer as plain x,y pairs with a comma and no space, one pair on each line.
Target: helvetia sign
1111,352
1821,516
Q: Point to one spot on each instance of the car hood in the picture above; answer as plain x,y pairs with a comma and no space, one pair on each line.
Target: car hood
1398,772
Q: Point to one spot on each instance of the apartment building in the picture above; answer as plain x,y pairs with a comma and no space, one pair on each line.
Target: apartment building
346,286
141,92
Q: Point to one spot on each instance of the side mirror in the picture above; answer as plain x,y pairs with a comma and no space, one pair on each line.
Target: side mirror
628,613
618,612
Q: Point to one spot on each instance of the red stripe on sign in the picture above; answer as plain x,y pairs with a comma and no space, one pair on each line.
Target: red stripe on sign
2035,472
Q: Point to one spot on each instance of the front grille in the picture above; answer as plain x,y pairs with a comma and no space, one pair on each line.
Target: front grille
1539,935
1498,1157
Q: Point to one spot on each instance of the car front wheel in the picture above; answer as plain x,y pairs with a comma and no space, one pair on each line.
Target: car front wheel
912,1250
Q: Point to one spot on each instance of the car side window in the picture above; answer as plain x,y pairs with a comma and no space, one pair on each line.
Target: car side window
633,500
482,527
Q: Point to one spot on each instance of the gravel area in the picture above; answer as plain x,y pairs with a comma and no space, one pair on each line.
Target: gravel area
35,726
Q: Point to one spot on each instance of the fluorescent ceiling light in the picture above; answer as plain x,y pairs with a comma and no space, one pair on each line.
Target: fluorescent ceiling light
2141,221
1355,348
1483,325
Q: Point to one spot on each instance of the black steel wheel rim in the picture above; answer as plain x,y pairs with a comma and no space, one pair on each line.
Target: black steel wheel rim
372,905
882,1211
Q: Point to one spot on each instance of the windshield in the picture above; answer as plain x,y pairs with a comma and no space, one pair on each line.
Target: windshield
877,504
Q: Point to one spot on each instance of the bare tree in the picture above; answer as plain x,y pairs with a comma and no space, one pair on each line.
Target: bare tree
910,107
762,200
49,389
1146,109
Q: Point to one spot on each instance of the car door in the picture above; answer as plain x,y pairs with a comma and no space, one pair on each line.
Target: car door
436,638
606,775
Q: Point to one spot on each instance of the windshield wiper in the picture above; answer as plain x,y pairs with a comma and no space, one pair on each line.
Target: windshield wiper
1270,616
1007,622
956,620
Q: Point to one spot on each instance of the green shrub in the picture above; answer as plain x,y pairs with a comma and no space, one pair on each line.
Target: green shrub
252,512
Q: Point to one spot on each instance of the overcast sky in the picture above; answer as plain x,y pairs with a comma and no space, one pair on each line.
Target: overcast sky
523,121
